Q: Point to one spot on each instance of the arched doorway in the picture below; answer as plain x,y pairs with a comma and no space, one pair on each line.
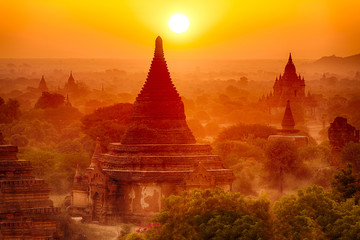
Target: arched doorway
96,207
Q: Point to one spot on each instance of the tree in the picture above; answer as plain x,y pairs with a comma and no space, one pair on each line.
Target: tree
282,158
242,132
351,154
212,214
108,123
9,111
346,184
313,214
50,100
306,216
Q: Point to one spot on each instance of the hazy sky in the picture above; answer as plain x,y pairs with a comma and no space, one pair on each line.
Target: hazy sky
219,29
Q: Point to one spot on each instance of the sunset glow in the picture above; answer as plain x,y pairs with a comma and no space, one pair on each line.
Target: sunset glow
219,29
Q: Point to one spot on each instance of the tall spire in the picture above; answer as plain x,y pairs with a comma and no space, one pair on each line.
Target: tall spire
288,122
290,59
158,115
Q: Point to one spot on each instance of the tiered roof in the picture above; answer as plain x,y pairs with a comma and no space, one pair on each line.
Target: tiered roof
158,115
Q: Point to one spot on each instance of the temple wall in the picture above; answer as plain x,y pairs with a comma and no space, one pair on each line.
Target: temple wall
145,198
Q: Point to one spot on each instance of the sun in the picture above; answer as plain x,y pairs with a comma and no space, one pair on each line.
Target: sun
179,23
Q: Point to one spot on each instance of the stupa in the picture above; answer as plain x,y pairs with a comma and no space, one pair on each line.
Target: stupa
158,156
288,131
26,212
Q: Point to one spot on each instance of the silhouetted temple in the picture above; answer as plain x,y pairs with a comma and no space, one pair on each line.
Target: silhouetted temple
158,156
289,86
288,130
71,85
42,85
340,133
26,212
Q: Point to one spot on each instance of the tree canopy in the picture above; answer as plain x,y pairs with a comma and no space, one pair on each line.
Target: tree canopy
212,214
108,123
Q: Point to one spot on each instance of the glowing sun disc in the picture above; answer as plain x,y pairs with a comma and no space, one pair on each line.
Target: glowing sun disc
179,23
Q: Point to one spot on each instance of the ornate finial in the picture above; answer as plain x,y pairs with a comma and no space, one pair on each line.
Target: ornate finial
159,52
290,59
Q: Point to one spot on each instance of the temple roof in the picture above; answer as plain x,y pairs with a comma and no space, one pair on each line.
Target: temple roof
288,122
158,115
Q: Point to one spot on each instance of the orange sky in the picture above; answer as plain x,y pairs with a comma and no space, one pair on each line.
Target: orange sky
235,29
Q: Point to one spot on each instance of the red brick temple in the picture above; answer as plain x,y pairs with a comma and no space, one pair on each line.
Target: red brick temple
158,156
26,212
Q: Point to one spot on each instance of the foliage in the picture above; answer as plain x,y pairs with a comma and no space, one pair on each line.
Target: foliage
351,154
313,214
50,100
212,214
19,140
346,184
58,169
9,111
108,123
282,158
242,132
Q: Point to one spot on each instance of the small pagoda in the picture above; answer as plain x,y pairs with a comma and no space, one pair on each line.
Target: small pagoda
158,156
26,212
288,131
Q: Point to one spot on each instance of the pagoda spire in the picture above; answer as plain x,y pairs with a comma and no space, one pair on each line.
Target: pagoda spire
158,115
288,122
290,59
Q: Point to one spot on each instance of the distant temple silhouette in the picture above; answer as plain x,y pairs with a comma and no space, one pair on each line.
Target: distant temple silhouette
288,86
157,157
42,85
71,86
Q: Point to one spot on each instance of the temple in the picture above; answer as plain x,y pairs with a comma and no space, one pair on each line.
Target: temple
289,86
71,85
26,212
340,133
42,85
158,156
288,131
